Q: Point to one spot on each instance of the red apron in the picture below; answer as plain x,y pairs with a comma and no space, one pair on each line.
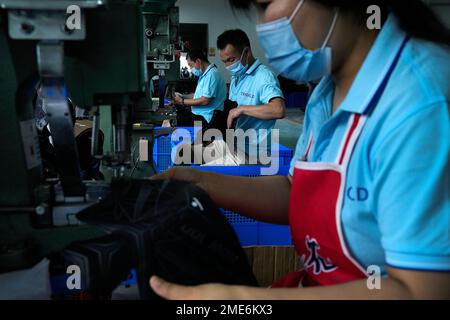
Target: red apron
316,199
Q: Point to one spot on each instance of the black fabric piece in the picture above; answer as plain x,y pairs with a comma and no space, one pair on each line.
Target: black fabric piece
104,263
219,122
185,117
176,232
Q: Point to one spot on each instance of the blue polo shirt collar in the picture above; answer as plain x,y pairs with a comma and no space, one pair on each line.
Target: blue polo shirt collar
211,65
253,67
371,76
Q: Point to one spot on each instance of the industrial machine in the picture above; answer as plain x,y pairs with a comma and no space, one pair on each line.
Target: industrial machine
103,55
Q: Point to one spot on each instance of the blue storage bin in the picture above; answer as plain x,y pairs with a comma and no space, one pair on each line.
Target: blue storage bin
273,235
164,146
285,154
245,171
251,232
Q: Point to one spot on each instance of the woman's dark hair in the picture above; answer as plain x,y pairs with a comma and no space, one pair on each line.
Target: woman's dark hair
195,54
237,38
415,17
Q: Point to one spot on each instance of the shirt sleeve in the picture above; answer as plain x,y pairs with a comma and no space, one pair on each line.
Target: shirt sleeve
411,176
210,84
270,88
232,91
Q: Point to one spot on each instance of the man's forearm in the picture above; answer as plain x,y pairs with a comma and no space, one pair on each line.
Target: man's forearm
265,111
263,198
188,96
199,102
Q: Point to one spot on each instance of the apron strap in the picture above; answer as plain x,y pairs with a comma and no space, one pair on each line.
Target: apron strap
357,121
308,148
354,128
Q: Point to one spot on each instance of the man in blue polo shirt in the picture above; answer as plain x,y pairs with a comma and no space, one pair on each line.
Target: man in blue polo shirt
210,93
255,90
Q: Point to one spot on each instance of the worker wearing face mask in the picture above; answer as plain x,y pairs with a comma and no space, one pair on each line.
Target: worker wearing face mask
210,93
367,197
255,90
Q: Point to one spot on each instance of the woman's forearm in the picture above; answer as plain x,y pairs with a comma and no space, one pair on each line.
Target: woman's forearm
261,198
355,290
399,284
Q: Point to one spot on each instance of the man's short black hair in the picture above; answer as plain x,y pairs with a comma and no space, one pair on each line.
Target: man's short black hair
195,54
241,4
237,38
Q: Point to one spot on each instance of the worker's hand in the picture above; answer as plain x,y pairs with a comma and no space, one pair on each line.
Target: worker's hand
178,98
166,123
213,291
196,177
233,115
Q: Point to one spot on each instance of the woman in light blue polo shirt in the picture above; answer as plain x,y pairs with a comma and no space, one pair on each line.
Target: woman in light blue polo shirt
211,90
368,191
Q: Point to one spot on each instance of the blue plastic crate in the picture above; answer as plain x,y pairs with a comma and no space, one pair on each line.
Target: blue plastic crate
164,146
245,171
273,235
285,154
251,232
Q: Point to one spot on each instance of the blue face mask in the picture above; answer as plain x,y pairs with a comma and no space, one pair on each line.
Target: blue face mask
196,72
237,69
287,56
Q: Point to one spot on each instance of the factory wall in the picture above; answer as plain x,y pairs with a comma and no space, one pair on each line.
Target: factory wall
442,9
219,17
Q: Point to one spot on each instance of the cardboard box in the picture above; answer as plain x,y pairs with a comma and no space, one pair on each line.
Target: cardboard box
270,263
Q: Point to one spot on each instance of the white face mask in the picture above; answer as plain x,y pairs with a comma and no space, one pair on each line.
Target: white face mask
196,72
237,69
287,56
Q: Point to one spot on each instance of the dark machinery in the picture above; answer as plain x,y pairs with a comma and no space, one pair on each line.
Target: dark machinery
102,54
